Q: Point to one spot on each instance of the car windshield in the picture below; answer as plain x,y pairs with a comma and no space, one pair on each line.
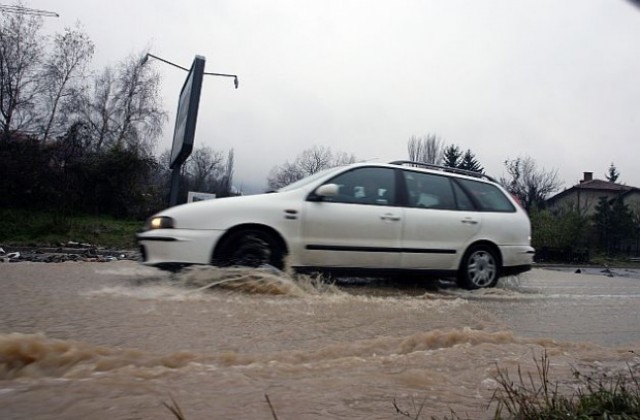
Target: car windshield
305,181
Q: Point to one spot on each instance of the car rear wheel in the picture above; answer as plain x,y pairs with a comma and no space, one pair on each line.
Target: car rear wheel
251,248
479,268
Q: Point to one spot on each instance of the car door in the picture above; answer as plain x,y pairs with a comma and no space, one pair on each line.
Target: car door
440,220
360,227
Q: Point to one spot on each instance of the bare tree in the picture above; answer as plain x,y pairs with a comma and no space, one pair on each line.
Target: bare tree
42,89
314,159
226,183
343,158
531,185
284,174
138,106
307,163
203,167
103,132
20,52
427,149
415,149
97,109
207,170
123,108
72,51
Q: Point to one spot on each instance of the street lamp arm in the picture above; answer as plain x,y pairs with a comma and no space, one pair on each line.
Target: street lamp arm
164,61
236,82
219,74
235,78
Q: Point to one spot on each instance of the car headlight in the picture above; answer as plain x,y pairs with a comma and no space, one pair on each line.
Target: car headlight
159,222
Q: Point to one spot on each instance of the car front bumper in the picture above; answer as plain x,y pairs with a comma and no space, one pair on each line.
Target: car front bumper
177,246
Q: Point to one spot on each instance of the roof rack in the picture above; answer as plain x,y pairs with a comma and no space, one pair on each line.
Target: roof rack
442,168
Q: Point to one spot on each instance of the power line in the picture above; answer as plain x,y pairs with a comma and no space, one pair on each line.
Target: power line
26,11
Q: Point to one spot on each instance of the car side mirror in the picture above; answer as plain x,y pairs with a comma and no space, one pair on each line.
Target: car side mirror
327,190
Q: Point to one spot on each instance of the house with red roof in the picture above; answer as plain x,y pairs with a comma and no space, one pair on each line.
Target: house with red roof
585,195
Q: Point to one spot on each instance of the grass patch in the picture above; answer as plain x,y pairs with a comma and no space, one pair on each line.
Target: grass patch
535,397
33,228
595,397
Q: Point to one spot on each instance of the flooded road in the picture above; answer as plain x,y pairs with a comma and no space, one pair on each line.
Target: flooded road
117,340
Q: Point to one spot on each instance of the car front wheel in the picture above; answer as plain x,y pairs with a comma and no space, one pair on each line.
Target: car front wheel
479,268
251,248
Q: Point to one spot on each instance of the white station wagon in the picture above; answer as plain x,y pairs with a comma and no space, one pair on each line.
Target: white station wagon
362,219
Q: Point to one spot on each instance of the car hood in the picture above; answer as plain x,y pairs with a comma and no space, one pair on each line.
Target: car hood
220,213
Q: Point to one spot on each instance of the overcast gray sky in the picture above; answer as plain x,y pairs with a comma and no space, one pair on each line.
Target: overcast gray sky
555,80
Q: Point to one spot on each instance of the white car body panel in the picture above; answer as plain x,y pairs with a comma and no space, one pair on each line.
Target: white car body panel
338,234
348,235
436,239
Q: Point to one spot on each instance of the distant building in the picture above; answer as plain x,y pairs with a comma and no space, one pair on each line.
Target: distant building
585,195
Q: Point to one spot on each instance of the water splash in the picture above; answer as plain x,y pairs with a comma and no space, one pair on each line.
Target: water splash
265,280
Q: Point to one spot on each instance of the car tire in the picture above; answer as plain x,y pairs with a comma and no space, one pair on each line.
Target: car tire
252,248
171,268
479,268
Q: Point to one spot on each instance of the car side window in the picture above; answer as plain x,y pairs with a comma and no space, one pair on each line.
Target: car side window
375,186
429,191
462,199
489,197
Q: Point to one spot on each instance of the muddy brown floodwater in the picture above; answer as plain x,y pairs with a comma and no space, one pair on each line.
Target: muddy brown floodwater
117,340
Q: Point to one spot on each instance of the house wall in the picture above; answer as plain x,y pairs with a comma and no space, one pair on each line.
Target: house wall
588,200
585,200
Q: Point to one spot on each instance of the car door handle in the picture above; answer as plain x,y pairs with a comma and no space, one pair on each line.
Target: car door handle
469,221
390,217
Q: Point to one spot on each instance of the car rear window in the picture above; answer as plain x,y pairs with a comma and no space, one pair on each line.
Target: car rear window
463,200
429,191
489,197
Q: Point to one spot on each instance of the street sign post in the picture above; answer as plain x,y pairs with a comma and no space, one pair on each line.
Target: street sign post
185,128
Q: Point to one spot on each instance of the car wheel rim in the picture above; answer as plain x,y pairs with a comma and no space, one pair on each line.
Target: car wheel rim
252,252
482,268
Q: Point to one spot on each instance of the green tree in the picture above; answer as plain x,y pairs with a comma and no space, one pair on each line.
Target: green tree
116,182
470,163
622,227
452,156
602,223
612,174
26,174
564,229
613,222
